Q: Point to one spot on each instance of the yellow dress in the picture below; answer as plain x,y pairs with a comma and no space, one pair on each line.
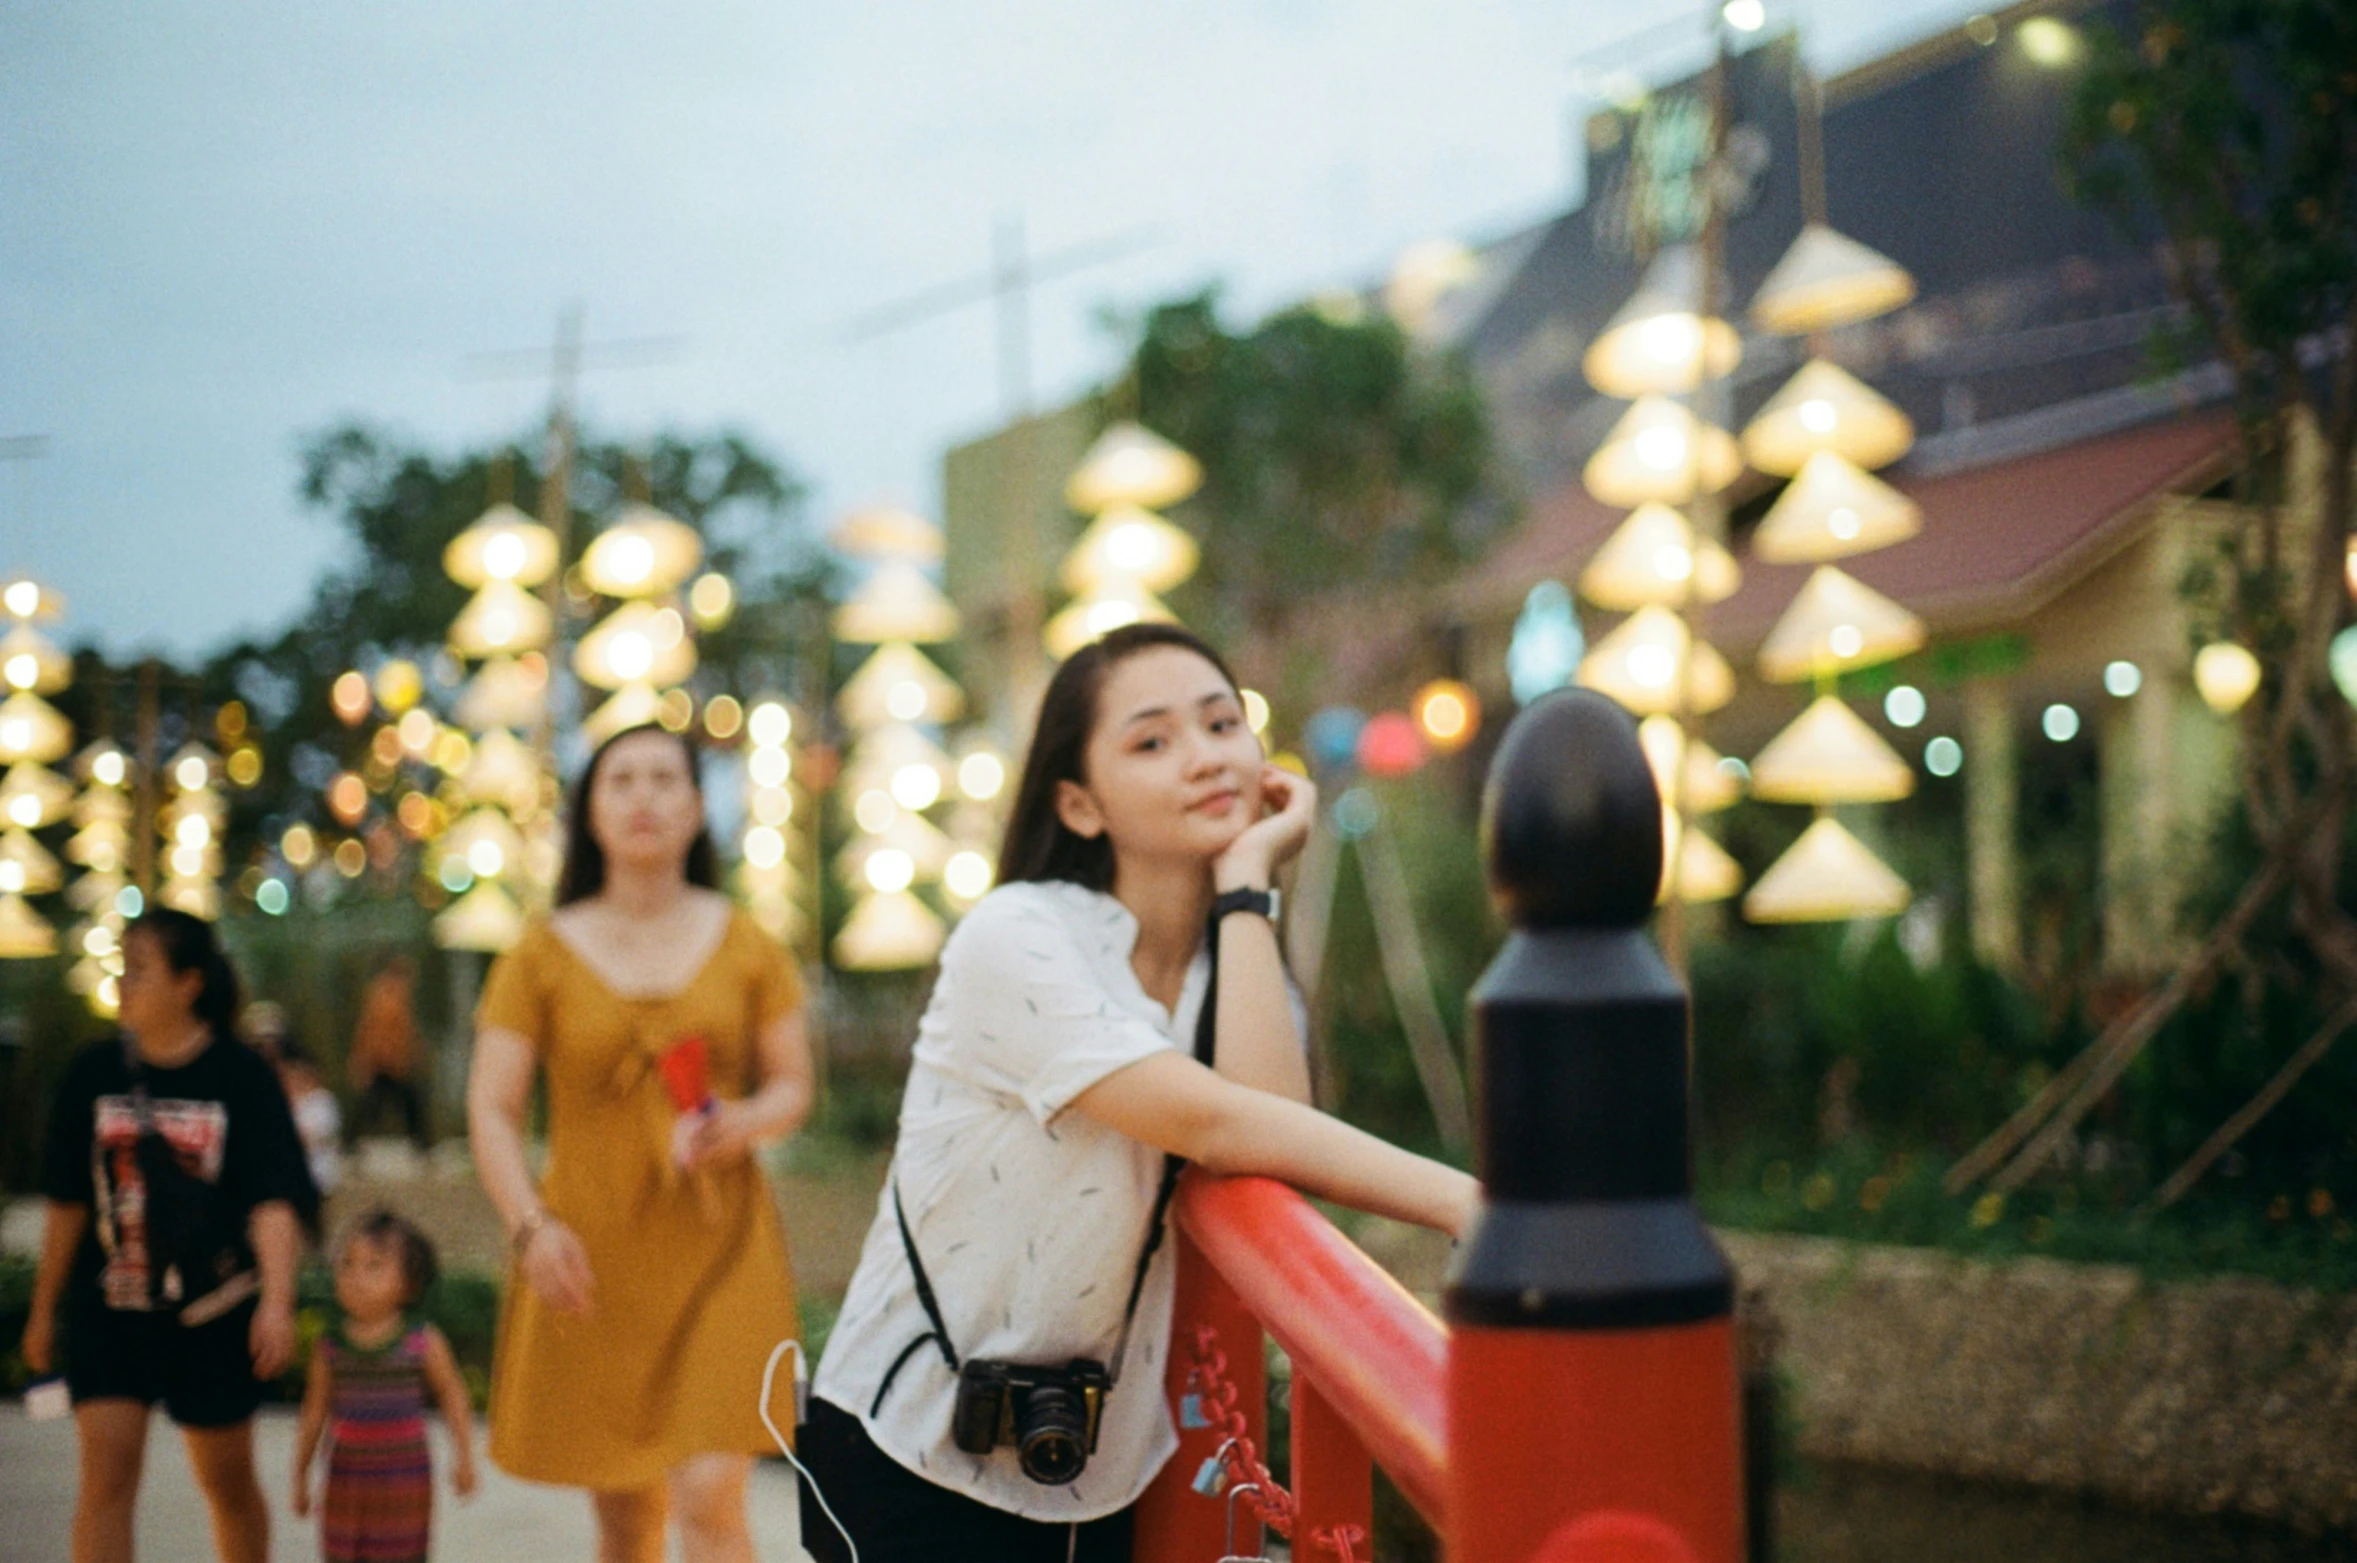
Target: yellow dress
693,1283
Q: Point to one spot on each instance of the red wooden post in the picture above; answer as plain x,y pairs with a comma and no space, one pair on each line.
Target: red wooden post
1333,1478
1175,1524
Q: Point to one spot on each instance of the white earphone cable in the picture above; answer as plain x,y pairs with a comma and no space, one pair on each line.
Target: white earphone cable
801,1376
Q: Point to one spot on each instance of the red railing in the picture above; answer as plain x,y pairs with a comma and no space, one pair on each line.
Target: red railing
1370,1366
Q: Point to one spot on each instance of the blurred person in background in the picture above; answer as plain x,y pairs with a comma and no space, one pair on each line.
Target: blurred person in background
318,1117
384,1054
176,1195
650,1275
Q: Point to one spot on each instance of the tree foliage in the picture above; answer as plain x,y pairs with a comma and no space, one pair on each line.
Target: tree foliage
1334,454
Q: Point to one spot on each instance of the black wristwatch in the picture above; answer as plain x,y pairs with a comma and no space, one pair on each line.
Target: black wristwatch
1263,902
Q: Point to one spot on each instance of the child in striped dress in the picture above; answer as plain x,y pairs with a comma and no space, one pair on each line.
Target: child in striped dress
370,1378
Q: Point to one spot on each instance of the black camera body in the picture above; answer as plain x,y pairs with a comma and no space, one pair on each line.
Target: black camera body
1050,1414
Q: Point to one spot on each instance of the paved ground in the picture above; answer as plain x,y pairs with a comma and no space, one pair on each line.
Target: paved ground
505,1518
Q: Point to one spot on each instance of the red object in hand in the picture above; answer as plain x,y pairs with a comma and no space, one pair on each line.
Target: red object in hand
687,1071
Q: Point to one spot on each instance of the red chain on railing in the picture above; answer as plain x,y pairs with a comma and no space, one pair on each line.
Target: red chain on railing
1241,1456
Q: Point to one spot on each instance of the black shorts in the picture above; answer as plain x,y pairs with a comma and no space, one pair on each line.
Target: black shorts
203,1374
897,1516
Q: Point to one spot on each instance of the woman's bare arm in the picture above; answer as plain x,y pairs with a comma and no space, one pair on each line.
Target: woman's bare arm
62,1227
1175,1104
498,1089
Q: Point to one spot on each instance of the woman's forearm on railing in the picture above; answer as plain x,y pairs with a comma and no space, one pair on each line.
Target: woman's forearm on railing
1271,1137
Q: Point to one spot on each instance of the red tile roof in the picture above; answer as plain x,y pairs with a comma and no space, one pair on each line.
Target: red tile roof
1997,541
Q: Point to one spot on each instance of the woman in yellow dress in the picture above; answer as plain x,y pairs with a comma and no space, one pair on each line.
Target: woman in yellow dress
650,1277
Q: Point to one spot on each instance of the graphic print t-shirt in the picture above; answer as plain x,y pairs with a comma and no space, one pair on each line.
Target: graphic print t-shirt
226,1119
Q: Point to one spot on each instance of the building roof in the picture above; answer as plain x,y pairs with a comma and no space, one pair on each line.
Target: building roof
1998,541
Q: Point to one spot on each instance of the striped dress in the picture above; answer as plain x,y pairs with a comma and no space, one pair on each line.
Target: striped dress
380,1480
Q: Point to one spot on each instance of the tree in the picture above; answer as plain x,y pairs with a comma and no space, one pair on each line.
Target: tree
2224,134
1335,456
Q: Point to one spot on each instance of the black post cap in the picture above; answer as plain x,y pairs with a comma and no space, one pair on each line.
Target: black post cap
1571,818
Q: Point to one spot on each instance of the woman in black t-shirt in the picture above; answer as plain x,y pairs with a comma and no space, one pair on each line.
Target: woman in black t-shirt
175,1180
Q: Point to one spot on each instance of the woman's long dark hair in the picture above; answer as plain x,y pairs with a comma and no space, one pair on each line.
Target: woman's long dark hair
585,860
1038,846
189,944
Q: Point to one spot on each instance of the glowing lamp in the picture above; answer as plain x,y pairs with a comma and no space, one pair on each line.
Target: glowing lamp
486,918
896,602
501,619
32,729
1832,509
1101,611
1658,342
505,692
485,841
643,554
1448,713
1390,745
1127,543
1702,870
26,866
1660,451
2226,674
883,532
1132,465
899,684
1829,755
633,705
1826,876
982,775
888,933
1655,558
968,875
30,662
1825,280
26,599
502,771
1836,624
1707,786
1652,665
32,795
504,544
1825,408
24,934
638,643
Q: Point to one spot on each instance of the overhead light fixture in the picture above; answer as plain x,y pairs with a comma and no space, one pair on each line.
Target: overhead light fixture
1826,408
1129,543
503,544
2227,675
643,554
1653,666
1659,341
1829,755
1655,558
1836,624
1129,464
1832,509
1660,451
1827,280
1828,875
896,602
884,532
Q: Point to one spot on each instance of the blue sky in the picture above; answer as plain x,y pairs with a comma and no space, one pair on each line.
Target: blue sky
223,226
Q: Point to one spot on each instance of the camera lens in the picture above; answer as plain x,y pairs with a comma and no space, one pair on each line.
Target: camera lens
1053,1438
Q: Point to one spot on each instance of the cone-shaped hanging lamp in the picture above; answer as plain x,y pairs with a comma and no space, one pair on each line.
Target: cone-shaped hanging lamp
26,866
1709,787
1659,341
502,771
33,795
485,918
633,705
1128,543
888,933
486,841
24,934
1829,755
1643,663
896,602
1132,465
1837,624
1831,510
30,660
877,759
638,643
504,544
501,619
25,599
883,532
1103,610
32,729
644,553
1827,279
1826,876
899,684
504,692
1654,559
1660,451
926,846
1704,870
1825,407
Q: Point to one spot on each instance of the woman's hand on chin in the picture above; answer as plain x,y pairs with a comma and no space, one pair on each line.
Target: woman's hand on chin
1287,806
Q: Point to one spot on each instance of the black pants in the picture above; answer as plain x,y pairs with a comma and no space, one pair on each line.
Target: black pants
897,1516
385,1093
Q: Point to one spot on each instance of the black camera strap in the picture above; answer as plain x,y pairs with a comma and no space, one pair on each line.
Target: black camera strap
1206,1049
